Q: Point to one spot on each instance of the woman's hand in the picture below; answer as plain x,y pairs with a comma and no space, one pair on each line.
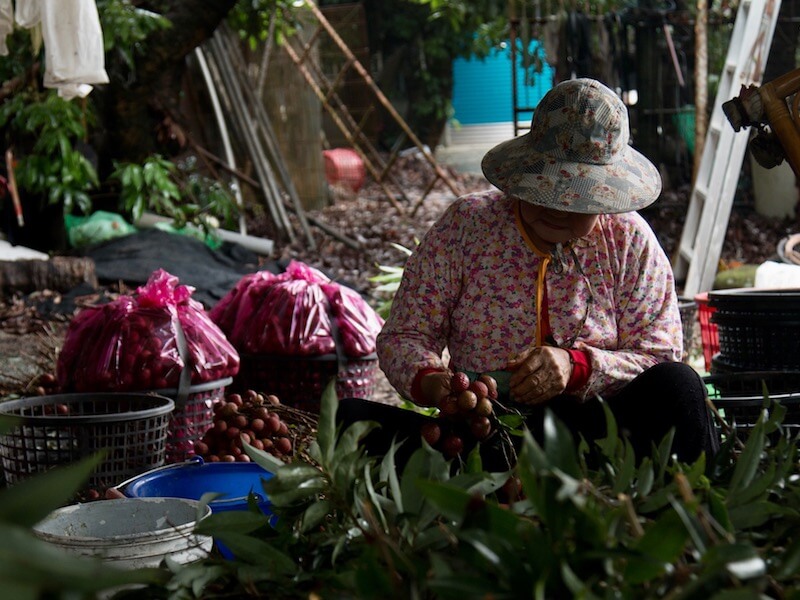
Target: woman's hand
539,374
435,386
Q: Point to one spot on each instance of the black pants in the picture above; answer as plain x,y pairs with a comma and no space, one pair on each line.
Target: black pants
665,396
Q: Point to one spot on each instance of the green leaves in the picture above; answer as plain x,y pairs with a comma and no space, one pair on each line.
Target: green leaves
175,191
326,428
54,167
655,552
348,525
30,501
130,26
148,186
388,281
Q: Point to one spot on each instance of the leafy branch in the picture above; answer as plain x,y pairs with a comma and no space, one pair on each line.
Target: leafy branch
175,191
52,166
349,525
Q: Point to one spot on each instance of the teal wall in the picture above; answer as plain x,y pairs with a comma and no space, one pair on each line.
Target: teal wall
482,88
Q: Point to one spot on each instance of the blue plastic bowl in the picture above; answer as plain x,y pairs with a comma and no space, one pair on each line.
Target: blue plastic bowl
193,478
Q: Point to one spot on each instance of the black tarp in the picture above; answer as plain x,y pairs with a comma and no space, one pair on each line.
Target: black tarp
133,258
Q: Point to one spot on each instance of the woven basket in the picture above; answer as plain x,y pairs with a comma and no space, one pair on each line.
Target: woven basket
63,428
192,417
299,381
740,397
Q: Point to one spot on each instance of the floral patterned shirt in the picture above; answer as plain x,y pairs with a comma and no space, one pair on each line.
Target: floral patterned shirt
470,287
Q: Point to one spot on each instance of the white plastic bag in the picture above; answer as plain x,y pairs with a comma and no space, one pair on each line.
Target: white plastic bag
27,13
6,24
777,275
73,45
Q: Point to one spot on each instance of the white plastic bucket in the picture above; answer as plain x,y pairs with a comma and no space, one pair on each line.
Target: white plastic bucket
130,533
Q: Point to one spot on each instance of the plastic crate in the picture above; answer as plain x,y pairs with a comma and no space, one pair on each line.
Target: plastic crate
344,166
299,381
61,429
740,397
709,333
192,417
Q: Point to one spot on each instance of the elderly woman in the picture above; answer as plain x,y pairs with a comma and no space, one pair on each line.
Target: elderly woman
553,285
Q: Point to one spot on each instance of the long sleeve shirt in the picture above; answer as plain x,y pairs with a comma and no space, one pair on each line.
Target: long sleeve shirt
471,287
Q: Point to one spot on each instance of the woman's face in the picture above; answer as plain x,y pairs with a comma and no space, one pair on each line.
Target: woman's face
548,227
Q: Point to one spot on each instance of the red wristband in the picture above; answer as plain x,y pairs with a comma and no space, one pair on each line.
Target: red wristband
581,370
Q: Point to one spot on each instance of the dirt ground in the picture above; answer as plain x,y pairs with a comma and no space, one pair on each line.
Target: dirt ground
31,332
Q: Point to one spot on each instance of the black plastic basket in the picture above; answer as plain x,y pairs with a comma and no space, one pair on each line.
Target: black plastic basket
299,381
757,329
61,429
740,397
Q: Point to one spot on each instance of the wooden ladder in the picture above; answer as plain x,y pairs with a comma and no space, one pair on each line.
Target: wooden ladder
697,257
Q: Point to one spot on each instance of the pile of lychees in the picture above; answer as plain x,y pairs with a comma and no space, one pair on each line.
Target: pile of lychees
249,418
466,411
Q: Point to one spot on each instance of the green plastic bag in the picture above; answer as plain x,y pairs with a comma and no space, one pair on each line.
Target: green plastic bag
98,227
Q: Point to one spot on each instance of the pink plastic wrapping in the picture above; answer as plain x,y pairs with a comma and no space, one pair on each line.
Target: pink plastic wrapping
358,323
224,313
131,344
290,314
292,319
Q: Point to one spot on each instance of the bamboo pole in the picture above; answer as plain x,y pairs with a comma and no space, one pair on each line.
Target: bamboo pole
380,96
244,119
257,186
273,152
340,123
700,84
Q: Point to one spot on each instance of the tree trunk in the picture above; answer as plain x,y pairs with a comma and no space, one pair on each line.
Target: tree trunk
131,109
430,127
60,274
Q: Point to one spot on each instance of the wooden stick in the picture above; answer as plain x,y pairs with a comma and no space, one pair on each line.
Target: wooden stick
12,188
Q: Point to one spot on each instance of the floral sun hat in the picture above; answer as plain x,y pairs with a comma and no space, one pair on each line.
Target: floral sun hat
576,156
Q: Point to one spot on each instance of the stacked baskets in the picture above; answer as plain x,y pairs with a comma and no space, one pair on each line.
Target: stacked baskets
61,429
740,397
759,354
159,341
709,336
